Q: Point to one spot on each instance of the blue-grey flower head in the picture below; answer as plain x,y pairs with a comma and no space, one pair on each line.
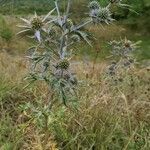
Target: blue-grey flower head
102,15
94,5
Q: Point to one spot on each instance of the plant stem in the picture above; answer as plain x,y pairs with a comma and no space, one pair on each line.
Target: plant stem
57,8
62,44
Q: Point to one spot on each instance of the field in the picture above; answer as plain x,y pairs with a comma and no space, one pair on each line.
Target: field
107,112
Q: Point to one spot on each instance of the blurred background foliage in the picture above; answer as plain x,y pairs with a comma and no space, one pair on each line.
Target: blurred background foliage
136,21
140,21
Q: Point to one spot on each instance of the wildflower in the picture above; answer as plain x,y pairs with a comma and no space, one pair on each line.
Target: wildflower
94,5
123,48
36,24
112,69
51,33
63,64
128,62
66,75
101,15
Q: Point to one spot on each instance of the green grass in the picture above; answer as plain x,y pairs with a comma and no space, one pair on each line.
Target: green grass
25,7
144,50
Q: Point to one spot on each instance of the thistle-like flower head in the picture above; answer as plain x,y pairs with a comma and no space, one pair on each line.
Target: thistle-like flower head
104,14
63,64
101,15
94,5
128,43
36,24
123,47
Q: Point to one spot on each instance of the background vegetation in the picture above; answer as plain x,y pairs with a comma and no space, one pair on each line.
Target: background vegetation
135,26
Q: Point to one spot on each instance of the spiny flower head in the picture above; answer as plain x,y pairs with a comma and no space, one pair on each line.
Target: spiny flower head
127,43
128,62
94,5
101,15
36,23
66,75
123,47
104,14
52,33
63,64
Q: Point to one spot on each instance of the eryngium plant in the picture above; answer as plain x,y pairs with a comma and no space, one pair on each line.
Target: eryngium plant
122,53
55,36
